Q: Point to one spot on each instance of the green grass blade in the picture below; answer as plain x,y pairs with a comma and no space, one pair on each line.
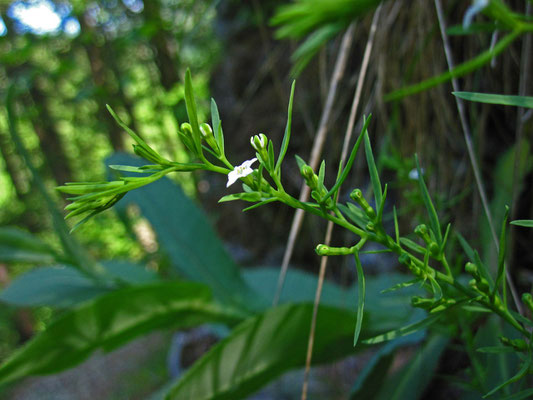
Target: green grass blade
287,135
528,223
396,227
458,71
501,99
406,330
360,298
432,213
500,277
372,169
344,174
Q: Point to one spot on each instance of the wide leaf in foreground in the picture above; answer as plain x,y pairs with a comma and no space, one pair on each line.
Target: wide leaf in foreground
265,346
112,320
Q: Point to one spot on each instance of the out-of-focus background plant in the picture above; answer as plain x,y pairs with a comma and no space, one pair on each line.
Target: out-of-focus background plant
61,62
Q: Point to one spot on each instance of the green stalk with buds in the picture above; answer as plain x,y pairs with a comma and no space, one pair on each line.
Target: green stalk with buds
427,262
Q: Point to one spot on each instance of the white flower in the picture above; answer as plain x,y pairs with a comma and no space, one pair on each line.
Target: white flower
241,171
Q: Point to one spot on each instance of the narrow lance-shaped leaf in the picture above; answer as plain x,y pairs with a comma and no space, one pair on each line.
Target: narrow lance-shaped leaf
505,100
528,223
217,126
190,104
501,259
360,298
287,135
406,330
372,169
432,213
343,173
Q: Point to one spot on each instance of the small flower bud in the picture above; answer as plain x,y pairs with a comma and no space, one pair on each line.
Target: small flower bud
434,249
207,134
357,196
206,130
259,142
527,299
472,269
371,227
186,128
310,177
421,230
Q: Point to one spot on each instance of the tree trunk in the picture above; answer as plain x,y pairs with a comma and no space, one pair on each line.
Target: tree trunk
164,59
98,72
49,138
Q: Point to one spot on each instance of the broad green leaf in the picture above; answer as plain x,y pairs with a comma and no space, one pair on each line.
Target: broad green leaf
373,171
382,311
432,213
112,320
129,272
411,381
51,286
528,223
262,348
370,379
360,298
505,100
17,245
287,135
186,235
299,287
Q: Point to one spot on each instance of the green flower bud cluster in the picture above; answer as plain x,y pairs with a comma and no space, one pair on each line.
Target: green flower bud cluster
519,345
318,190
432,305
422,232
479,283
